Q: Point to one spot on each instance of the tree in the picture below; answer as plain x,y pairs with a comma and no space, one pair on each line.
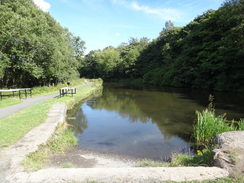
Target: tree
34,48
107,60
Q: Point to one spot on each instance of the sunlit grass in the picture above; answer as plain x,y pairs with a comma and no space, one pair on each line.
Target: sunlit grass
68,165
151,163
209,125
59,141
8,102
48,90
17,125
42,91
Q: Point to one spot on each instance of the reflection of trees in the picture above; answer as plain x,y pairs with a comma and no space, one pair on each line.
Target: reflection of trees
123,103
76,117
79,123
173,115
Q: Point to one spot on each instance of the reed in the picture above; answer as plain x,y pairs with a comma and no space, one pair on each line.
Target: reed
209,125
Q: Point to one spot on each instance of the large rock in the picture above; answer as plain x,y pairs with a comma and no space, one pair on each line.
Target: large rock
230,152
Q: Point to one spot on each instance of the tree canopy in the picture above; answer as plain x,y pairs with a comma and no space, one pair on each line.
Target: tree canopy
34,48
207,53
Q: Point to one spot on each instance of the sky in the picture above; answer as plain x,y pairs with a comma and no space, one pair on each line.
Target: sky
103,23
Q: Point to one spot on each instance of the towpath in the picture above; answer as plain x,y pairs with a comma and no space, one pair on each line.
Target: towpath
7,111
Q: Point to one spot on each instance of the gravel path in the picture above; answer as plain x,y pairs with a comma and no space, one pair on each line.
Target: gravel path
7,111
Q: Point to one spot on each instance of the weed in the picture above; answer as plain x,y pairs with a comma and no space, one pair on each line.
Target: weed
68,165
209,125
58,142
202,159
150,163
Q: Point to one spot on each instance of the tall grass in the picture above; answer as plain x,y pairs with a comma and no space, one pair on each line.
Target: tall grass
209,125
47,90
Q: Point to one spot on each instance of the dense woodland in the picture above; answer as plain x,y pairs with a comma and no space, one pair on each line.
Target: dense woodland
207,53
34,48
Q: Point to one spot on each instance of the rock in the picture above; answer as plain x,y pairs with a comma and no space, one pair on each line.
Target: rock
230,152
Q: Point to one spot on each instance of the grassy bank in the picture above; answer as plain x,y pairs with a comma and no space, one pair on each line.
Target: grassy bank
63,138
9,102
18,124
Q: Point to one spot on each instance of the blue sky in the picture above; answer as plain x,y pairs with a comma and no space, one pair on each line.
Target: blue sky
102,23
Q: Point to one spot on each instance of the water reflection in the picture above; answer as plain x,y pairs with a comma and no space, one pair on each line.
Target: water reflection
142,122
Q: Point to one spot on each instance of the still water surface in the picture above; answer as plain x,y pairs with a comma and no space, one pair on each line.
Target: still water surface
145,122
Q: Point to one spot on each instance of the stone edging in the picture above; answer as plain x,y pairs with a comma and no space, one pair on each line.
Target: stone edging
30,142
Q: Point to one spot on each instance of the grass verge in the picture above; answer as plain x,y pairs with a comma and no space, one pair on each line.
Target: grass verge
42,91
59,141
17,125
9,102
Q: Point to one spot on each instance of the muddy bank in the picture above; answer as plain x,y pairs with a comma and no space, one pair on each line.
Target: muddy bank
83,158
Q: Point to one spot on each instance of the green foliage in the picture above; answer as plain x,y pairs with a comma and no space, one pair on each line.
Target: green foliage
107,62
202,159
60,141
68,165
46,90
209,125
207,53
34,48
150,163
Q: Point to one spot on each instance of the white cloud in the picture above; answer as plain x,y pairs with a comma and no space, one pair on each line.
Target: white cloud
44,6
117,34
164,13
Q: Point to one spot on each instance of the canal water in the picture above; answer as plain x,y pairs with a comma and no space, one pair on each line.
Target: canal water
145,121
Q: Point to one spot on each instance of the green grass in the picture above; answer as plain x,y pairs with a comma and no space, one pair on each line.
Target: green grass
57,144
201,159
48,90
68,165
178,160
42,91
9,102
209,125
150,163
17,125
